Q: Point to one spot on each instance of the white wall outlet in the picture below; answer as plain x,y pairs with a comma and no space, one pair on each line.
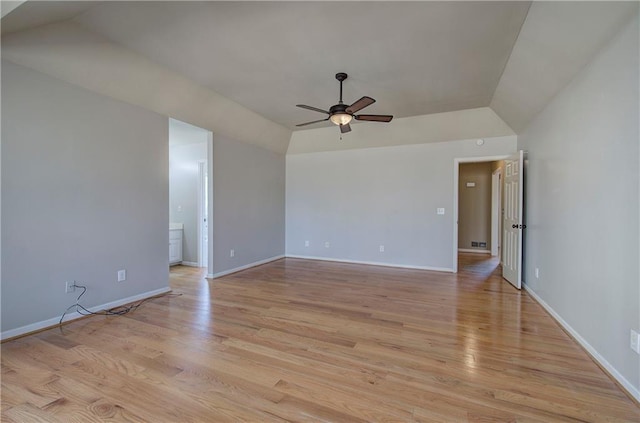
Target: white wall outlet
327,245
232,253
440,210
122,275
69,287
537,273
306,243
382,248
635,341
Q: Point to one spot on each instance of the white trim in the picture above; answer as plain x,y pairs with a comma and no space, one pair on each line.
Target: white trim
496,210
373,263
11,333
471,250
200,207
245,267
190,263
456,177
210,206
595,355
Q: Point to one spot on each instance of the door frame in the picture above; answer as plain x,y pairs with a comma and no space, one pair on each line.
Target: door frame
210,269
456,178
496,211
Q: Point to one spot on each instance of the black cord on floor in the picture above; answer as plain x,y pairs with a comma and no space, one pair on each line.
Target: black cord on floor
116,311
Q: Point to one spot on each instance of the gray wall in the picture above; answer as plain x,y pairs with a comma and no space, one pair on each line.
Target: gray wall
582,204
474,205
358,200
183,181
248,204
84,194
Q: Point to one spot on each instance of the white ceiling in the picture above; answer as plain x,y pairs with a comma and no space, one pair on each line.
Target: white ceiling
415,58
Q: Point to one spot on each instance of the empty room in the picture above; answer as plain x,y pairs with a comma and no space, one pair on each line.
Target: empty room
420,211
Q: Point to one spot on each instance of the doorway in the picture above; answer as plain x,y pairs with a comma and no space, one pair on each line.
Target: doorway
477,200
190,199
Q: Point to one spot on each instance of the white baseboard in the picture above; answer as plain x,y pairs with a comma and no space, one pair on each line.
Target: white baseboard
373,263
471,250
632,390
190,263
246,266
11,333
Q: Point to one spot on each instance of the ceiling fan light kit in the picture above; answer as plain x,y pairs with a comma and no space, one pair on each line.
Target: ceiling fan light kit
341,114
341,118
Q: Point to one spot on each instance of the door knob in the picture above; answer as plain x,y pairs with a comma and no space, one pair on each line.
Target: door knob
514,226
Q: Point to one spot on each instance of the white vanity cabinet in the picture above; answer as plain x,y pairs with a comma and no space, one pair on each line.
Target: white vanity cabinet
175,246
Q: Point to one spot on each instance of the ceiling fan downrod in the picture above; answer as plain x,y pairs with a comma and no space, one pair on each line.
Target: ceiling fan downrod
341,76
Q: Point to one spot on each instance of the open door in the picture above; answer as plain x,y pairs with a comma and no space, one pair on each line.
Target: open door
512,223
203,215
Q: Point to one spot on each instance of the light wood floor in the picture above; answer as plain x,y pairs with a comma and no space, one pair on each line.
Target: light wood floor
302,340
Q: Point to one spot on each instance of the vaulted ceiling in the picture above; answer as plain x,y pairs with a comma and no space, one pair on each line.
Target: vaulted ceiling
414,58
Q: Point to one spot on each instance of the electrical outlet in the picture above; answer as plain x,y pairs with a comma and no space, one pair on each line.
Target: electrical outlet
474,244
635,341
122,275
537,273
482,244
69,287
382,248
232,253
306,243
327,245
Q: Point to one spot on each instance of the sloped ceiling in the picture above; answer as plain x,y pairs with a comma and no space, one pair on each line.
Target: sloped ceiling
556,41
256,60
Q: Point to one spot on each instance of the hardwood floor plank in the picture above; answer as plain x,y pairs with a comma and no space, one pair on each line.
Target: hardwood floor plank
28,413
300,340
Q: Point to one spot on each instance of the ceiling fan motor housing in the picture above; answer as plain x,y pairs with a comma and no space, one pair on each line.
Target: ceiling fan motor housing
339,108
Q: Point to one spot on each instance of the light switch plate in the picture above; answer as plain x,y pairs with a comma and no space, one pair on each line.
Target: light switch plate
440,210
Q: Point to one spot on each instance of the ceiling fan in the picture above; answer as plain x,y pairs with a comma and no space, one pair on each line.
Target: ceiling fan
341,114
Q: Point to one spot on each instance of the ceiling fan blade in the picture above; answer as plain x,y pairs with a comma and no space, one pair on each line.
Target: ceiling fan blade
315,109
360,104
309,123
375,118
345,128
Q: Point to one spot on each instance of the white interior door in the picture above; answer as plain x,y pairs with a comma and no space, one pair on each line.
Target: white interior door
512,223
205,223
203,215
